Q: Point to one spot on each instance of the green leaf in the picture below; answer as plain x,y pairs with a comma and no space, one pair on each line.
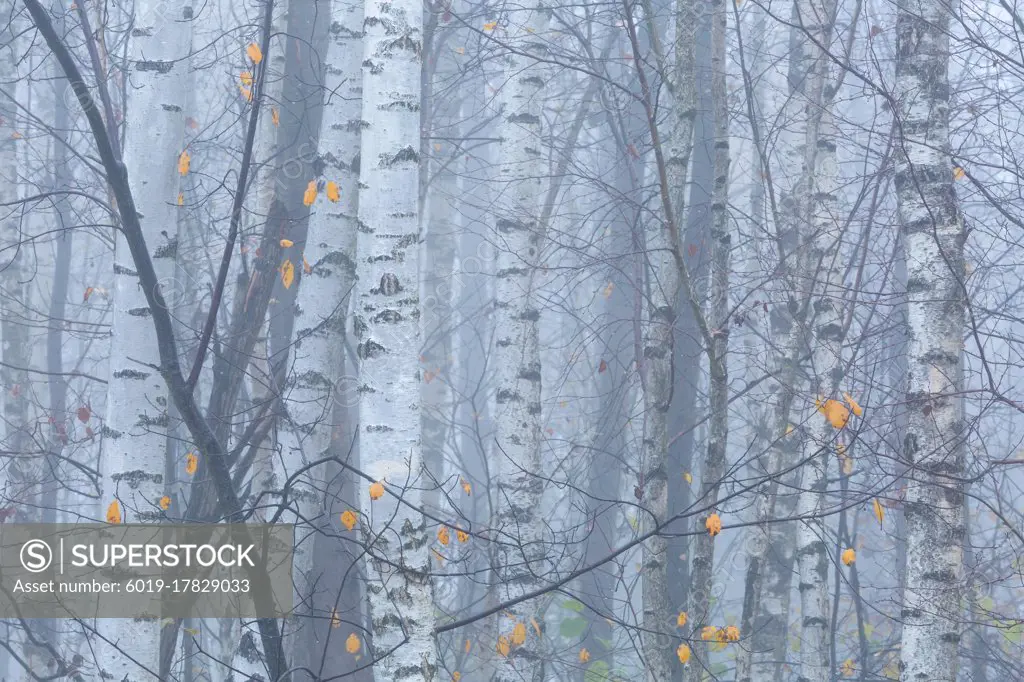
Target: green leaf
573,605
571,628
599,671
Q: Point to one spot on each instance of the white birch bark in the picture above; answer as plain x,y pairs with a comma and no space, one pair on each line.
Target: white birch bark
323,297
134,432
934,236
517,361
386,328
713,469
664,282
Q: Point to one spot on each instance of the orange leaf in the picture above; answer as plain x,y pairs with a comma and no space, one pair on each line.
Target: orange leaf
681,619
503,647
607,292
181,198
584,655
376,490
310,194
255,53
603,367
287,243
333,193
348,519
490,26
683,652
191,463
352,644
165,503
88,292
184,161
275,117
456,676
467,646
114,512
287,273
714,525
958,173
246,78
246,93
518,634
835,412
462,535
466,487
536,626
306,267
731,633
849,556
443,536
708,632
879,512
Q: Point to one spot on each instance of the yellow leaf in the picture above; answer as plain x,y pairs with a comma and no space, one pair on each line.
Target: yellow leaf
714,525
456,676
306,267
348,519
287,243
847,668
183,162
849,556
275,117
181,198
466,487
958,173
879,512
376,490
255,53
503,646
114,512
336,621
333,193
442,535
708,632
835,412
731,633
246,78
192,631
681,619
191,463
518,634
789,429
165,503
462,535
352,644
683,652
490,26
287,273
468,645
857,409
309,196
688,477
584,655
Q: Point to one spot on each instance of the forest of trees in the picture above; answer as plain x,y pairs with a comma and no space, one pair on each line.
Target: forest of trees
633,341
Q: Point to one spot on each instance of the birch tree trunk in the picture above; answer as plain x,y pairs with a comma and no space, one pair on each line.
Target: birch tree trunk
713,469
386,329
135,431
934,236
323,298
665,282
520,551
826,356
